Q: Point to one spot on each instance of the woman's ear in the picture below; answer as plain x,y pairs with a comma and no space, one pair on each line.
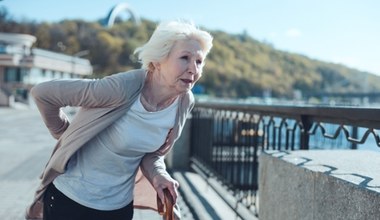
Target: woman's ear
156,65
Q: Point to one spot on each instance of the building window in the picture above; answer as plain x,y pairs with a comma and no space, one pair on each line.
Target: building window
25,75
36,75
12,74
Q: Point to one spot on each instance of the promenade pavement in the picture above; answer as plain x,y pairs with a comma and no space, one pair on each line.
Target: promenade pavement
25,146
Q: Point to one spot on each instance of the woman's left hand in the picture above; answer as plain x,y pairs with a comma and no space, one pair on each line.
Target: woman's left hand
160,182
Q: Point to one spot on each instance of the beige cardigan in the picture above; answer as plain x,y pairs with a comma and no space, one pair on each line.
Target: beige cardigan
102,101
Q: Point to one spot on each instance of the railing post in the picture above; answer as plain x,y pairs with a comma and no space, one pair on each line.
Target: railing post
306,125
354,146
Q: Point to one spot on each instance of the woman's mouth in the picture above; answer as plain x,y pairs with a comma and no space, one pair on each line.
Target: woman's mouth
187,81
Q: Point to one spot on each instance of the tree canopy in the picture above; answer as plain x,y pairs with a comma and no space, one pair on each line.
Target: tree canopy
238,66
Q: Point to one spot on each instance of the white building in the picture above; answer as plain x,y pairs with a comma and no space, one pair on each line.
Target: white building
21,67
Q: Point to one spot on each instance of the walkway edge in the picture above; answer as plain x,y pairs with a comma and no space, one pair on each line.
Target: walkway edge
192,200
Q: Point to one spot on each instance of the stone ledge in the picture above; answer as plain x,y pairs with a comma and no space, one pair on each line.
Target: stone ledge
319,184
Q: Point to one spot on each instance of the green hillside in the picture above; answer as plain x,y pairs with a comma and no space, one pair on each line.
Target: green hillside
237,66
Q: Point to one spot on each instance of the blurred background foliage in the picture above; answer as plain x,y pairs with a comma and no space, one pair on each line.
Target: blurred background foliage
238,66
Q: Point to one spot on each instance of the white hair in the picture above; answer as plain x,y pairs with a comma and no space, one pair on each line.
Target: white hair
165,36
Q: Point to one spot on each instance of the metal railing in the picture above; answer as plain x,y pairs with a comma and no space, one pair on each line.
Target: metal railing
226,140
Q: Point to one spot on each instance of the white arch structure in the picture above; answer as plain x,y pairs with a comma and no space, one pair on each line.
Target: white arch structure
115,11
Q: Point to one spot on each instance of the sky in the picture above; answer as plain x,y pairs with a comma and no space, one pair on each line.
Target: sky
337,31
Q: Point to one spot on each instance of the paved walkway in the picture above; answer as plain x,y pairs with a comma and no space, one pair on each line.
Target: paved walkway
24,147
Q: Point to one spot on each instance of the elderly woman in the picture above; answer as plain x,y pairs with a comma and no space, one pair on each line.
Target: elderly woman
126,123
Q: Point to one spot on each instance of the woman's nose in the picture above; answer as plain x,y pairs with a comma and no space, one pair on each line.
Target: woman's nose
193,68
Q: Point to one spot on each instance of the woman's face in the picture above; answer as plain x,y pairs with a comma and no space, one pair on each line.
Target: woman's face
183,66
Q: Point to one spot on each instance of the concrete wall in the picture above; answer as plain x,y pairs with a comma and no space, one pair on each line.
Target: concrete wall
319,185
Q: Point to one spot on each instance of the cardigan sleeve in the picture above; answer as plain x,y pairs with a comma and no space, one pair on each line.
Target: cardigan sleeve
153,164
88,93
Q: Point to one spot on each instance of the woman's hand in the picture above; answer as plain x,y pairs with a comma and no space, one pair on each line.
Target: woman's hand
160,182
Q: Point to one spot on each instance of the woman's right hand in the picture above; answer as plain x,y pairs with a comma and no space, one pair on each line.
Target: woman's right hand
161,182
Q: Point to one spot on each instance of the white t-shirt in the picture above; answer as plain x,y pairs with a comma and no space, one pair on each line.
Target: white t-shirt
101,175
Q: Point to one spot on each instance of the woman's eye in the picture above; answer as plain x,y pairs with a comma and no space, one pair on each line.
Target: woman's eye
185,57
199,62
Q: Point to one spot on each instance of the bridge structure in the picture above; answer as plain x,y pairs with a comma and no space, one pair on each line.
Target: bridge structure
351,97
116,11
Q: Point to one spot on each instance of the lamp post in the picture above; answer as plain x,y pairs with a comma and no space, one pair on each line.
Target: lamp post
81,53
76,55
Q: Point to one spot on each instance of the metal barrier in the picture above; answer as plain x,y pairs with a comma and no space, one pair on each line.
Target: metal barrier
227,138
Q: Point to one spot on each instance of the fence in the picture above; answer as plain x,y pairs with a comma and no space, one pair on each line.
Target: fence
227,139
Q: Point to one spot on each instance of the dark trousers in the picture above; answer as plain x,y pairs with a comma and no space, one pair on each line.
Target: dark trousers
57,206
